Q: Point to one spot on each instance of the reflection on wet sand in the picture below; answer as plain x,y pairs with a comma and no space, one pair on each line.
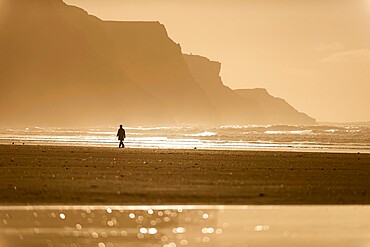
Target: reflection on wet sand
171,226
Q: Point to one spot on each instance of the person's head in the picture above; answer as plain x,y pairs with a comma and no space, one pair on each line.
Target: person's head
121,126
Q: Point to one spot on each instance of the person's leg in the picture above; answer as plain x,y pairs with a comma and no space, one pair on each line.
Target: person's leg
120,143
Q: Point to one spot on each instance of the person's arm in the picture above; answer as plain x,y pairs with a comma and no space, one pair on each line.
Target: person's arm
124,134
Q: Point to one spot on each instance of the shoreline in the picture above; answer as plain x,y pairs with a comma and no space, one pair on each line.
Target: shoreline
285,138
71,175
274,147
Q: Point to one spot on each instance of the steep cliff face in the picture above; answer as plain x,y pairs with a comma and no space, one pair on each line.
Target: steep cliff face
233,109
275,110
242,106
153,60
60,66
55,70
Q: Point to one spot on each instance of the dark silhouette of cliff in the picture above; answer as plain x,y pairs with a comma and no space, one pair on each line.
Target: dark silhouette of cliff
233,109
154,61
275,110
60,66
56,69
244,106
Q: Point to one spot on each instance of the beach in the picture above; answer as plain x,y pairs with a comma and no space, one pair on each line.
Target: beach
167,226
70,175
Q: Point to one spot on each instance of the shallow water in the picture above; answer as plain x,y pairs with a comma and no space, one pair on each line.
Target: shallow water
327,138
172,226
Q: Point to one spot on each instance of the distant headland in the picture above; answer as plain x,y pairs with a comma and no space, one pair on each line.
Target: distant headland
60,66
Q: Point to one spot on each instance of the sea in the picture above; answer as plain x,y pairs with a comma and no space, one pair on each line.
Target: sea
351,138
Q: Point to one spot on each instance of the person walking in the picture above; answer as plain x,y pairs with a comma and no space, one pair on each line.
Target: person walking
121,136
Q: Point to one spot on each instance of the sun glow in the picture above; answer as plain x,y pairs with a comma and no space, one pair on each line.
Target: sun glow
367,4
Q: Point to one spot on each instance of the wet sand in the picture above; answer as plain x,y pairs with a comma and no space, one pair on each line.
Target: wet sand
168,226
91,175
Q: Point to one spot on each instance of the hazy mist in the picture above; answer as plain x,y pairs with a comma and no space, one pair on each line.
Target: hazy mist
60,66
314,54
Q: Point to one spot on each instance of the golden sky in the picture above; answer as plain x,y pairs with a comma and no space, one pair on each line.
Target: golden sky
313,53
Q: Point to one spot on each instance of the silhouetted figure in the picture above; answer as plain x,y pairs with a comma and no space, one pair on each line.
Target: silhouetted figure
121,136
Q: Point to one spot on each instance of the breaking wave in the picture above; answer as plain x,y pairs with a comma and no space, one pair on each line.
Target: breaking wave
342,138
205,133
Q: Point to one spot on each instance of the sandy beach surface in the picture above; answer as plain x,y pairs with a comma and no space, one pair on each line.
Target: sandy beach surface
61,175
193,226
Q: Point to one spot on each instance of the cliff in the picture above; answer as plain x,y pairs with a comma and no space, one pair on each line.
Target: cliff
60,66
274,109
247,106
233,109
56,70
156,63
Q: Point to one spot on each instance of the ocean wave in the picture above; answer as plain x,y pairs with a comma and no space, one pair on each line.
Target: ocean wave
205,133
244,126
228,137
285,132
331,130
154,128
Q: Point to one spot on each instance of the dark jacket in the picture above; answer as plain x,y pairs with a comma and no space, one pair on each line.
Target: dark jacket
121,134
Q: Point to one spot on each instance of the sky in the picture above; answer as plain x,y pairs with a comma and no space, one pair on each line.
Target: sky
315,54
